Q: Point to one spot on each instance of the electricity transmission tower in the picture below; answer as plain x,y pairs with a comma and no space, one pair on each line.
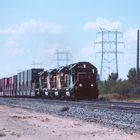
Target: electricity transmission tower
63,57
109,41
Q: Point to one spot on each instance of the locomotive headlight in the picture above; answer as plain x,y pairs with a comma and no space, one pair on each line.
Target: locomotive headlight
80,85
91,85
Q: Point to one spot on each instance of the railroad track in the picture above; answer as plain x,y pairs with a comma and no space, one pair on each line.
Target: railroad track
94,104
113,106
117,106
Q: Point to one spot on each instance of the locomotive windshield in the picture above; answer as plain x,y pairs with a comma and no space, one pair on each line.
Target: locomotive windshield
86,76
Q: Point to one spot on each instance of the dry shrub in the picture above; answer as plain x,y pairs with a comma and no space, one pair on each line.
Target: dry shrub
113,96
21,117
45,120
2,134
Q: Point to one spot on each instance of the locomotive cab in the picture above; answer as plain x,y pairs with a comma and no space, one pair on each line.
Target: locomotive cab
84,79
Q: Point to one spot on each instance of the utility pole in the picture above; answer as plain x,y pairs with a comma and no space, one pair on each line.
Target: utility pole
137,71
109,41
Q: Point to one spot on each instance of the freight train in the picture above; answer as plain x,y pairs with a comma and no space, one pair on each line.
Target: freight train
75,81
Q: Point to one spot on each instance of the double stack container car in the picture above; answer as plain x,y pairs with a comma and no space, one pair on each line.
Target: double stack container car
74,81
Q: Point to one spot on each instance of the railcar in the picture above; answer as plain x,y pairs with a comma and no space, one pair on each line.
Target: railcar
75,81
23,84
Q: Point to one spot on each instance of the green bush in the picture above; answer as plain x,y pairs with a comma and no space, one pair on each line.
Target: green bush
128,87
135,92
105,87
121,87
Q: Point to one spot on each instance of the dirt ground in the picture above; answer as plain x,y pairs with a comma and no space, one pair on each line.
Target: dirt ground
21,124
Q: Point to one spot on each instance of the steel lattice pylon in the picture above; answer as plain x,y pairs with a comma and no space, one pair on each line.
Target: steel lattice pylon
63,57
108,40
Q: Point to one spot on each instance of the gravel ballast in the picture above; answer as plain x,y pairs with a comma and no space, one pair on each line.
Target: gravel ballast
126,121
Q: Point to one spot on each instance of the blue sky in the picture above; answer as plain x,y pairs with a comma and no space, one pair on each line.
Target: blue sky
32,30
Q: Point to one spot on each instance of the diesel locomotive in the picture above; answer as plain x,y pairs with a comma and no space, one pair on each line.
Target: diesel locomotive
75,81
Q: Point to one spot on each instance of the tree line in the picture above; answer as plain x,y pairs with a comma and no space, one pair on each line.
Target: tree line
128,87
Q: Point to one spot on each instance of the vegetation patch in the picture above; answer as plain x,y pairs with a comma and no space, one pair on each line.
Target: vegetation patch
118,89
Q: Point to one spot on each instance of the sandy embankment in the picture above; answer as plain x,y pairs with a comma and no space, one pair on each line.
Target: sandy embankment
21,124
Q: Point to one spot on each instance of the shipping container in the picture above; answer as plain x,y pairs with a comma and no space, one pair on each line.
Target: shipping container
1,89
18,84
21,81
25,82
15,85
10,88
6,86
2,83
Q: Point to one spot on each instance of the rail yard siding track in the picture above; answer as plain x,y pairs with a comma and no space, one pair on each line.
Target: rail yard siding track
120,116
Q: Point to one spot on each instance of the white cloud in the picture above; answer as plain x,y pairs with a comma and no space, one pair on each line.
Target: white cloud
31,26
19,37
130,35
14,51
130,39
102,23
87,51
10,42
17,51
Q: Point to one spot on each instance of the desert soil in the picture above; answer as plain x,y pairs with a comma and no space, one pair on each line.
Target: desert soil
21,124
